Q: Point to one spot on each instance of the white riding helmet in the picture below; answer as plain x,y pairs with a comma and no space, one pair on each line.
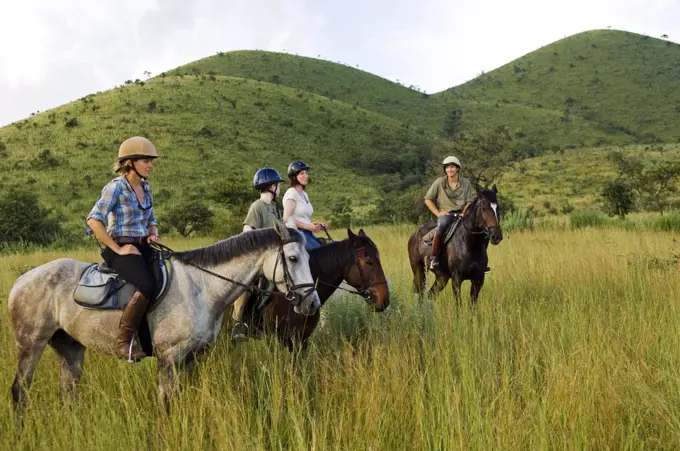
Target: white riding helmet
451,160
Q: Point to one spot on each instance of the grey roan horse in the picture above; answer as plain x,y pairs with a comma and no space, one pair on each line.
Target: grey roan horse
464,257
42,309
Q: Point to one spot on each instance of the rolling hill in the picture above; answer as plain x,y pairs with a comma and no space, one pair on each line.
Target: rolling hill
213,135
218,119
624,84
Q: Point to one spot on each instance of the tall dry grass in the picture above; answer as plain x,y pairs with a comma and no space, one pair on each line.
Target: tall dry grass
574,344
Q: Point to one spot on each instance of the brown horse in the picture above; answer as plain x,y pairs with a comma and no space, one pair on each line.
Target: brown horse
464,256
355,260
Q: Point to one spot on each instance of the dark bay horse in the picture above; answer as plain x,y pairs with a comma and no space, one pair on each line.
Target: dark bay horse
355,260
464,256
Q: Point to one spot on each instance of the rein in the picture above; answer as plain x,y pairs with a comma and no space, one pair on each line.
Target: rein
365,285
291,295
484,230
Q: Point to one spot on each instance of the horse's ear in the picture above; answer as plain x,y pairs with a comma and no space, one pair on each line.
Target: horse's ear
494,189
362,233
350,234
281,230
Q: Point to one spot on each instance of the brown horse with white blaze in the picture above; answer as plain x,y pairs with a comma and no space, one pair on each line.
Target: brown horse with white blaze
464,256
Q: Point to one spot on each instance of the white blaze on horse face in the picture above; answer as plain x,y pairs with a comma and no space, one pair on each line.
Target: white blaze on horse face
494,207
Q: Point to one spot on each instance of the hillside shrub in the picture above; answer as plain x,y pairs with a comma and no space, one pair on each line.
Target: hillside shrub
518,221
189,217
45,160
670,222
583,219
341,212
24,220
619,198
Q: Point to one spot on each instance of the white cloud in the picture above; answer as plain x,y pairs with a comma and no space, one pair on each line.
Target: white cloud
56,52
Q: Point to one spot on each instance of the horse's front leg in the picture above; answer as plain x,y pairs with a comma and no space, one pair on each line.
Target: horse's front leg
455,289
439,284
475,288
171,365
168,381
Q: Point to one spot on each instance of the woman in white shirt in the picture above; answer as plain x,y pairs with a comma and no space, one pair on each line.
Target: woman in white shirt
297,209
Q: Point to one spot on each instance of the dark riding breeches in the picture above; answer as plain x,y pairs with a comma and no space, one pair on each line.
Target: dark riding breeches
443,222
135,269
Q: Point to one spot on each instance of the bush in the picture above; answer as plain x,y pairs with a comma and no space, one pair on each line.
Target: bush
619,199
45,159
668,223
398,207
341,212
517,221
23,220
190,217
579,220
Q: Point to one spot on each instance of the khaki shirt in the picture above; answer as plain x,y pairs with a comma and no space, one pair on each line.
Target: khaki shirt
448,199
261,215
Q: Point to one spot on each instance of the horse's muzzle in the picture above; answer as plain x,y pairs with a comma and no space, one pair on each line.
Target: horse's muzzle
379,298
495,235
309,306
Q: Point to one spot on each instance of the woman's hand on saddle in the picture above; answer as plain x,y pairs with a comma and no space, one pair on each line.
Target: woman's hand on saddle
129,249
441,213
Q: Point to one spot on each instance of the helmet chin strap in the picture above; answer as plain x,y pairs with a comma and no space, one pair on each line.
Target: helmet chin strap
135,169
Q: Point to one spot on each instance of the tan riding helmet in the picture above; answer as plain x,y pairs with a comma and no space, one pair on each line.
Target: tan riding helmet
451,160
136,147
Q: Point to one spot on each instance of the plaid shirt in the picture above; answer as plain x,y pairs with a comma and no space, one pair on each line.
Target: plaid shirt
119,208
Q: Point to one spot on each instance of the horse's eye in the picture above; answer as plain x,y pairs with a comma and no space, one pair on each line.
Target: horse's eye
293,258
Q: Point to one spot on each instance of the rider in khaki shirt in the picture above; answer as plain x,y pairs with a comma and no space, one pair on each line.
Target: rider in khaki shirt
261,215
446,199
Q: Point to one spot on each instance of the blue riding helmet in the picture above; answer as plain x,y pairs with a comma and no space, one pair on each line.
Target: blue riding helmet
266,176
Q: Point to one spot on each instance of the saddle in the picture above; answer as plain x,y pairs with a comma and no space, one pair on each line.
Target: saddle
101,288
448,233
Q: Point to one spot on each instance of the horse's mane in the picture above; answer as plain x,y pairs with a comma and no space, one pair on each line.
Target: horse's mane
487,194
332,258
241,244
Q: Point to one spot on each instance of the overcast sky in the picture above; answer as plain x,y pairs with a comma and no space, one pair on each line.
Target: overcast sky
56,51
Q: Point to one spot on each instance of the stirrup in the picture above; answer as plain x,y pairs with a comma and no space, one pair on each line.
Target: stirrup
240,335
132,344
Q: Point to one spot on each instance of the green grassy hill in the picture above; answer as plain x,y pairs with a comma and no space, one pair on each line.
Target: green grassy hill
213,136
333,80
591,89
573,179
624,84
218,119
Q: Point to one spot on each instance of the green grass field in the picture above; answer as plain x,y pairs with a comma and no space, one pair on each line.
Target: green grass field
574,345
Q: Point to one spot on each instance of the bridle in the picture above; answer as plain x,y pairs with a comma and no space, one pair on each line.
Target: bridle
485,230
291,295
363,291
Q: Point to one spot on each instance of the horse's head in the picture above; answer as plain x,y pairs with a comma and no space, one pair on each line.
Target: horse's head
289,269
485,214
367,275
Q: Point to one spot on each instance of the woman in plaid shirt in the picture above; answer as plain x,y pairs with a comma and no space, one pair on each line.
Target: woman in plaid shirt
123,220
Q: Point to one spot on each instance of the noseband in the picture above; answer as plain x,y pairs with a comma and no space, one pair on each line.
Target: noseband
485,230
291,295
363,291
